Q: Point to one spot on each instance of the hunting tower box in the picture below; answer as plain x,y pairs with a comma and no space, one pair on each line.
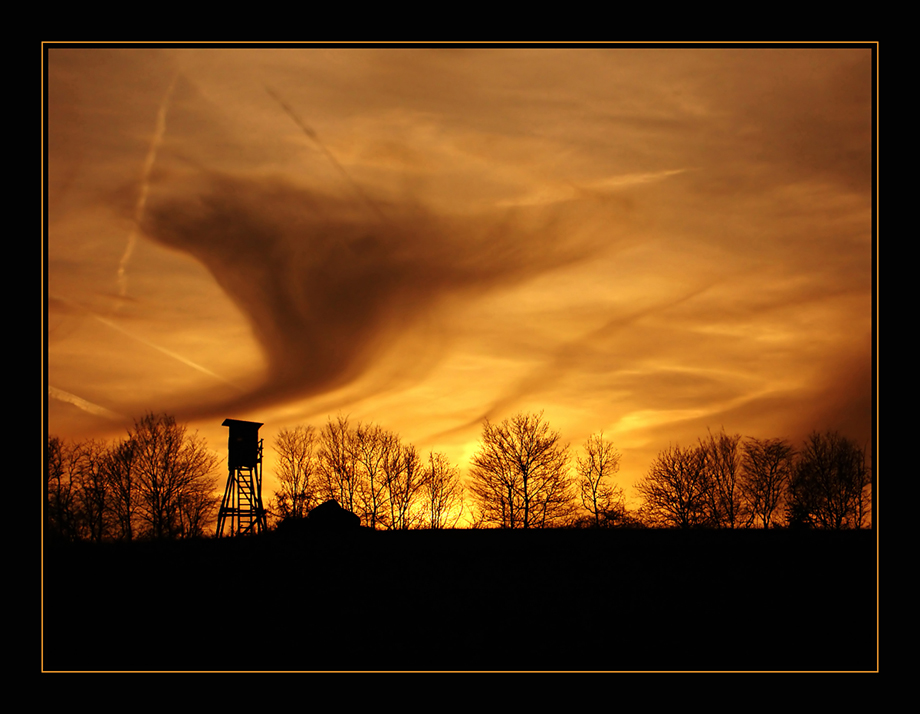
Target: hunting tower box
242,444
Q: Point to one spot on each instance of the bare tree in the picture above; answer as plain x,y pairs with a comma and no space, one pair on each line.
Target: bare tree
599,463
520,475
296,472
175,477
442,492
723,470
373,448
159,482
88,476
767,467
123,492
831,482
60,505
675,489
337,464
404,475
370,472
75,490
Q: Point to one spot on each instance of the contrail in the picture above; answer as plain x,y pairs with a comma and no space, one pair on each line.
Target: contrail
148,343
81,403
155,142
312,135
168,353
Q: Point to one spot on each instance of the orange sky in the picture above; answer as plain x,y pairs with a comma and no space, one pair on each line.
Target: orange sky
647,243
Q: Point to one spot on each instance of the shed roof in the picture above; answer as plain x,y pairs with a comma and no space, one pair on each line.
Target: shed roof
243,424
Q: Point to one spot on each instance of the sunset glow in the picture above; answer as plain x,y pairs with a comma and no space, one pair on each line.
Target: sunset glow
648,243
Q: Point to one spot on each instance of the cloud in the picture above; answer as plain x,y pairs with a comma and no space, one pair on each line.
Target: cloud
328,286
83,404
141,204
739,178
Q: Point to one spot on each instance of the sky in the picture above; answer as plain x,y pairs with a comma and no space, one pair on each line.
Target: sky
649,243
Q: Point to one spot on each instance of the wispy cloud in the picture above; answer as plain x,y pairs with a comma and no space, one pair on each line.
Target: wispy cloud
140,206
83,404
113,324
328,288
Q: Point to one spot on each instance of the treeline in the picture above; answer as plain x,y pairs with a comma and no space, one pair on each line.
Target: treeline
524,476
158,482
519,478
727,481
161,482
369,471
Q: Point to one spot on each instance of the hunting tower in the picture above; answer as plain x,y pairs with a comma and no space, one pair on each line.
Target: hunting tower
241,510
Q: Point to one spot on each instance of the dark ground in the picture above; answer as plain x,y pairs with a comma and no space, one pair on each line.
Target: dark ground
617,600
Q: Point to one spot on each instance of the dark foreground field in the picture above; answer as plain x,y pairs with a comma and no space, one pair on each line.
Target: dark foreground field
468,600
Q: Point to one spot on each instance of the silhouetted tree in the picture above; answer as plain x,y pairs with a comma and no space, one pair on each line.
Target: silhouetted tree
76,490
723,476
60,506
520,475
595,467
442,493
767,467
174,477
158,482
404,476
123,491
91,489
337,464
373,448
830,484
296,472
675,490
370,472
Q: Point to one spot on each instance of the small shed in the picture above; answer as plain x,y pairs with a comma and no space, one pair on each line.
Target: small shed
331,516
